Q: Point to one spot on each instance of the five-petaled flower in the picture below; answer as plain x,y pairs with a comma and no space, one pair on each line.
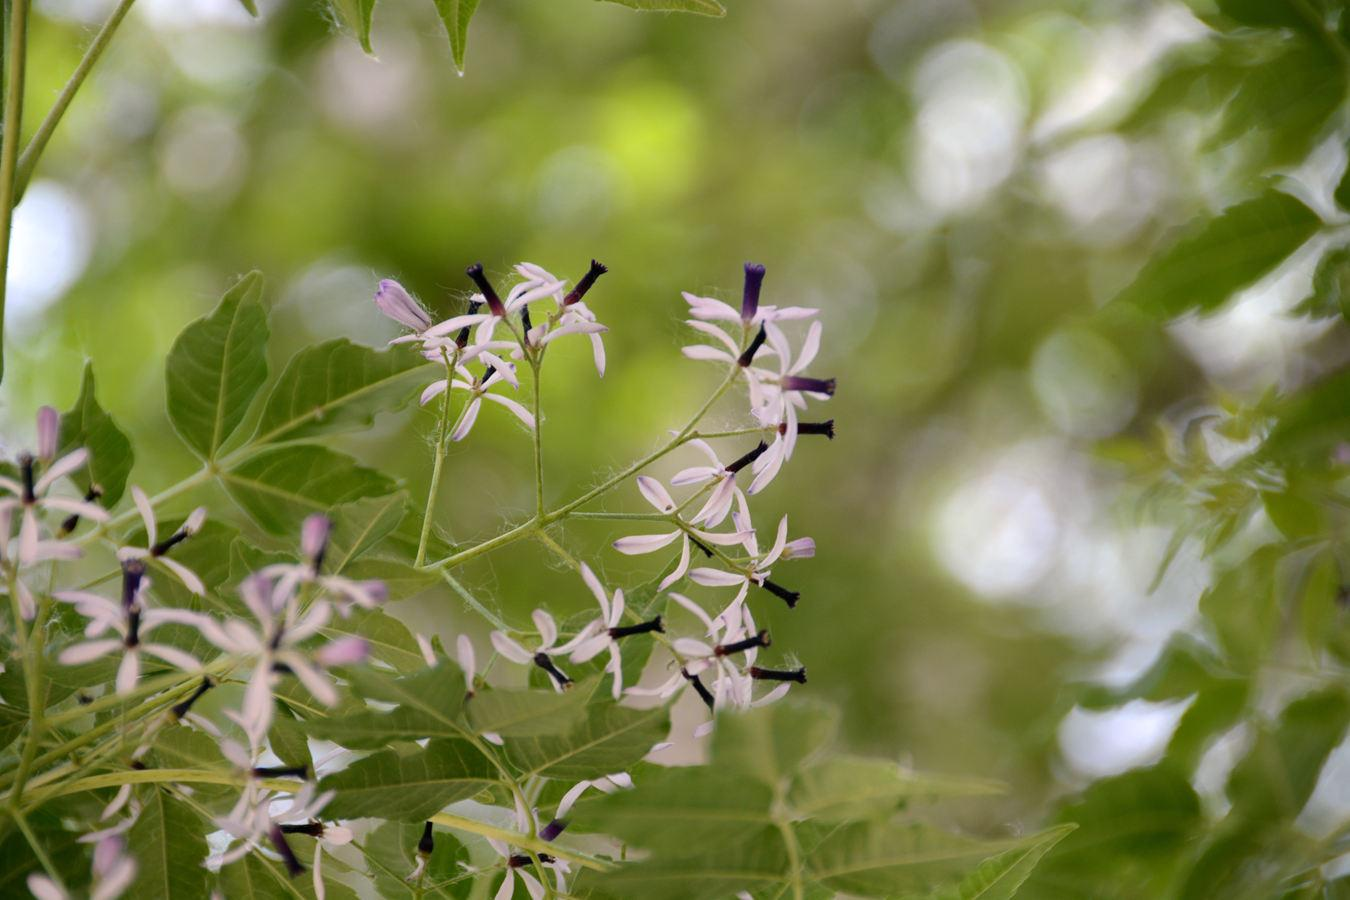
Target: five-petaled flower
656,494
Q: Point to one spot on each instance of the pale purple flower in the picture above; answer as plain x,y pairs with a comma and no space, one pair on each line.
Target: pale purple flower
396,303
32,494
633,545
757,572
605,632
723,479
573,315
132,621
347,592
605,784
752,312
48,431
769,388
113,871
479,389
275,642
157,551
260,815
542,654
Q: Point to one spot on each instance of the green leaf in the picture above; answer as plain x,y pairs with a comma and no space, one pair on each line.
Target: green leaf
755,864
361,525
168,842
529,713
391,850
1330,286
280,486
611,739
355,15
769,743
87,425
1000,878
216,366
338,386
409,787
389,639
455,14
1243,609
845,787
1276,777
1264,13
250,7
17,860
400,579
679,812
429,706
698,7
1283,104
883,858
1219,255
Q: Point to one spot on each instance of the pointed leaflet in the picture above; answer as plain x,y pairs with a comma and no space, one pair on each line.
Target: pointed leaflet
771,742
845,787
757,864
216,366
456,15
388,638
699,7
1219,255
169,843
87,425
411,786
337,386
429,705
360,525
611,739
529,713
1000,877
391,851
356,15
881,858
280,486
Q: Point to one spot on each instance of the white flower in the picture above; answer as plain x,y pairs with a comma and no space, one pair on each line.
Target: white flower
573,315
757,572
606,784
633,545
132,621
723,479
478,390
542,654
156,550
113,872
261,814
771,389
606,632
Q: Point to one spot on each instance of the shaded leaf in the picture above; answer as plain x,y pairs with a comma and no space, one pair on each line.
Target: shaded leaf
429,706
612,738
842,787
1000,878
455,15
1219,255
337,386
409,787
699,7
168,842
87,425
280,486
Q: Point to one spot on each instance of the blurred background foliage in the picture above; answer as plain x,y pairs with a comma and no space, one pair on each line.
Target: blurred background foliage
1054,549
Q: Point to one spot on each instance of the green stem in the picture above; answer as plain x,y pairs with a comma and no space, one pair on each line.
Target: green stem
17,25
459,823
38,850
538,445
473,602
32,676
438,461
680,438
38,142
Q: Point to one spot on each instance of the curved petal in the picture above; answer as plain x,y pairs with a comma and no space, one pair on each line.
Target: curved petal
548,628
63,466
147,514
79,654
510,649
655,493
637,544
466,420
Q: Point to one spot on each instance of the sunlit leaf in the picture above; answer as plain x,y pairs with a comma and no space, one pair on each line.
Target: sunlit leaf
455,15
216,366
701,7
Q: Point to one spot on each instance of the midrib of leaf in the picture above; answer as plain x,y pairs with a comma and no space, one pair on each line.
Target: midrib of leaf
395,498
636,723
882,861
264,488
297,421
219,424
378,643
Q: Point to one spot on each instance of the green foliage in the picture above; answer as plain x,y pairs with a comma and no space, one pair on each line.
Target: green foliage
1219,255
455,14
279,487
216,366
409,785
167,833
701,7
87,425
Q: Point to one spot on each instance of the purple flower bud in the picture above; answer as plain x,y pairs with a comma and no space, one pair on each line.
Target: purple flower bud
348,651
475,272
398,304
754,279
314,537
586,283
48,426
